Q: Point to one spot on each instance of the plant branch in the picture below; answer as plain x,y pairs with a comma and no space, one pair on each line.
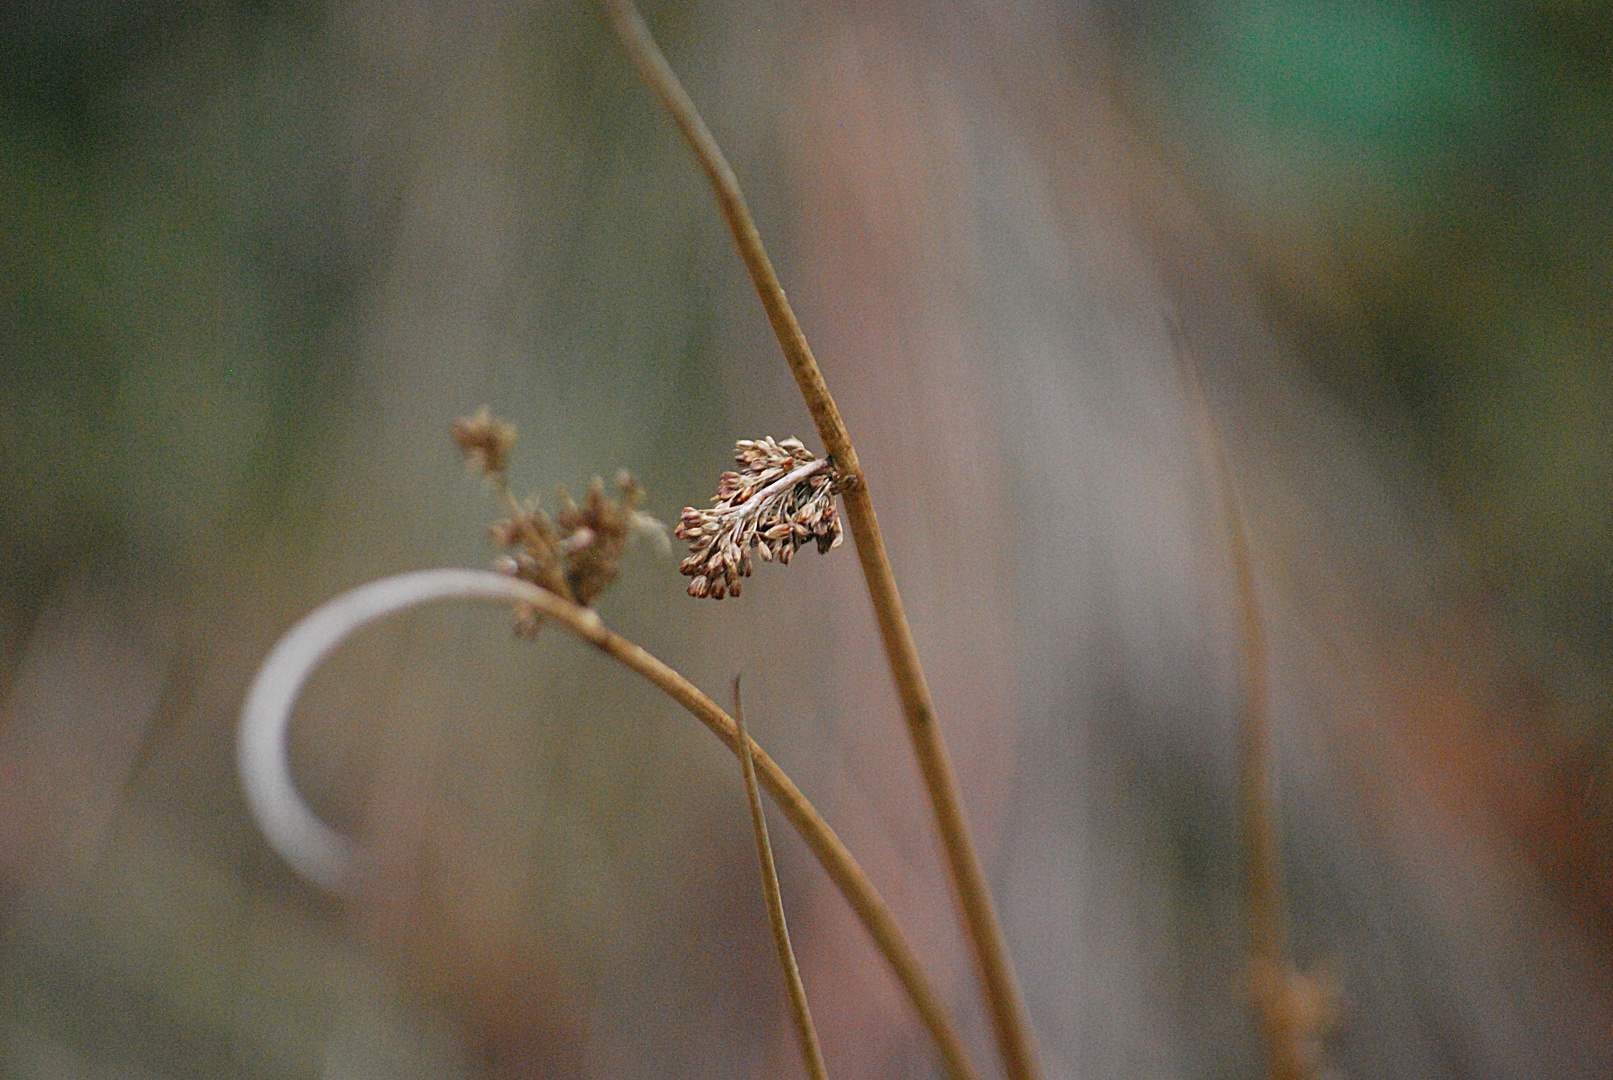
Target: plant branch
806,1031
646,55
326,857
1004,1000
1289,1042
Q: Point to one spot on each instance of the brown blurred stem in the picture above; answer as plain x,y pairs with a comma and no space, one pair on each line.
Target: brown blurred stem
1273,979
1004,1001
831,852
805,1030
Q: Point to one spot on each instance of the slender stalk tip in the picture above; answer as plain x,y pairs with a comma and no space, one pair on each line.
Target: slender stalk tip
805,1030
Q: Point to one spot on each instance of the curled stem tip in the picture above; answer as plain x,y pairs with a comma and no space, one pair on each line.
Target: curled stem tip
314,849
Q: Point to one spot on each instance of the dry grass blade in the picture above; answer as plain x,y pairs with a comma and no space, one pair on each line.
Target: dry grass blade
1293,1008
1004,1001
847,874
806,1031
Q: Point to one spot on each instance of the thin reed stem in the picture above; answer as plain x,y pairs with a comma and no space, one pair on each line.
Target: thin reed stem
832,853
1004,1001
326,856
805,1030
1271,969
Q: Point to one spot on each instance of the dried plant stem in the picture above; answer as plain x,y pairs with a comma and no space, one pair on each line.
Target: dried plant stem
805,1030
1271,969
831,852
326,856
1004,1000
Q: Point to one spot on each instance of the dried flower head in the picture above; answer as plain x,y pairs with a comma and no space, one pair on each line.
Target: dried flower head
782,497
578,552
574,554
486,442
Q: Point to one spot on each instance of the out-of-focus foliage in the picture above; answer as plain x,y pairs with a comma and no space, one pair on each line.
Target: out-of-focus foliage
1424,190
168,201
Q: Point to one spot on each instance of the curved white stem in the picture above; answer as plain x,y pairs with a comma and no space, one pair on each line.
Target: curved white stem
325,856
317,851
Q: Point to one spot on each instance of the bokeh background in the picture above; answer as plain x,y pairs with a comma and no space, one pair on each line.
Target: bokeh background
255,258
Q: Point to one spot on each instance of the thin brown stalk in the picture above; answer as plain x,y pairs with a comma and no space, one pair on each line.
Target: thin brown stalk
831,852
1273,978
1004,1000
805,1030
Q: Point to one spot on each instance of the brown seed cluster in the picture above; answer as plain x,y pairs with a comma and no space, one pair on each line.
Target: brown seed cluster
781,497
486,442
574,554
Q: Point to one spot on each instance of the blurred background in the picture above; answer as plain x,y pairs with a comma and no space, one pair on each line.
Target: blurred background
255,258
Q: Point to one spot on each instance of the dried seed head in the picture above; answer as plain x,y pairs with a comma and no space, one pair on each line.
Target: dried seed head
576,553
781,497
486,442
595,533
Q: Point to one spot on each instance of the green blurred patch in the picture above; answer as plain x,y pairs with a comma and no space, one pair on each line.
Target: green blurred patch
171,277
1427,183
